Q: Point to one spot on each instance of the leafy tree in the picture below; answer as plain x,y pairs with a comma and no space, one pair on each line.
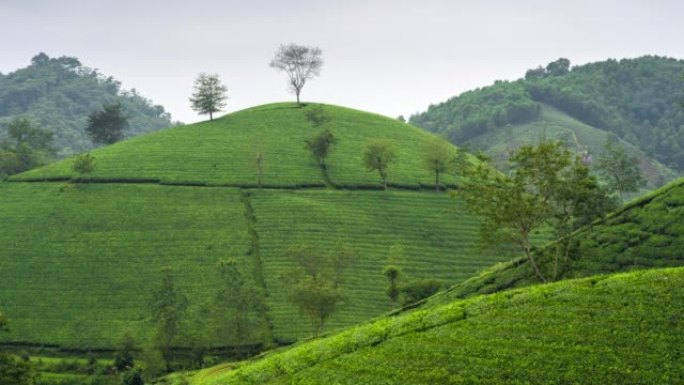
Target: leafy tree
84,164
123,357
416,290
315,281
619,170
133,377
236,299
107,125
377,156
168,306
392,273
300,63
438,157
59,93
27,146
317,115
14,370
546,187
209,95
320,145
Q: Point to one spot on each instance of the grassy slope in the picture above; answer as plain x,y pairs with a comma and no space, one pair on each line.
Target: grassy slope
568,332
646,233
223,151
78,262
84,257
554,124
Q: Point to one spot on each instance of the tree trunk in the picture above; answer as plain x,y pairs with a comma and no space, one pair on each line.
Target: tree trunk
211,116
297,92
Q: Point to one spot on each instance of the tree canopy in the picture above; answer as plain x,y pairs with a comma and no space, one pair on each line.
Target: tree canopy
59,93
639,100
108,124
209,95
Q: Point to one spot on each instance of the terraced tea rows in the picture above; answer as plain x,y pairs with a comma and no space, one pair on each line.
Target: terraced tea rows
622,329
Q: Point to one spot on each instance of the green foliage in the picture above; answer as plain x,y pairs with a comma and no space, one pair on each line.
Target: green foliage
16,371
317,115
224,152
27,146
644,234
107,125
392,273
473,113
315,281
123,357
620,170
636,99
59,93
133,377
320,144
416,290
237,298
545,187
625,327
209,95
439,158
84,164
377,156
168,307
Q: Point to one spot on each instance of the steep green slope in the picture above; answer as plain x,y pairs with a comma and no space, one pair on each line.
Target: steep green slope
224,151
621,329
553,124
638,100
646,233
86,255
59,93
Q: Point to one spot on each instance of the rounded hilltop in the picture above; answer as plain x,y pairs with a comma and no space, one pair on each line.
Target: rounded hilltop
260,144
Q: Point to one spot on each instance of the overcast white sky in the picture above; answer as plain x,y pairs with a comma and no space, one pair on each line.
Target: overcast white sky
387,56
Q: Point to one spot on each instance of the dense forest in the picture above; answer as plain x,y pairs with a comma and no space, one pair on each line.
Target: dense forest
58,94
639,100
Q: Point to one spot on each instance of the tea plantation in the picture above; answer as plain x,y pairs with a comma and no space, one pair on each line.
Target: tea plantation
82,254
619,329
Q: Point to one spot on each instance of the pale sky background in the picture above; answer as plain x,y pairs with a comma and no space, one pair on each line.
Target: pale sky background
387,56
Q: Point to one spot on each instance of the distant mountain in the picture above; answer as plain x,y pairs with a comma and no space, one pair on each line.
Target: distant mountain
638,100
59,93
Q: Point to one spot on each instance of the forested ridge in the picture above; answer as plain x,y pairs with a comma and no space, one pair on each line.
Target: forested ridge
639,100
57,94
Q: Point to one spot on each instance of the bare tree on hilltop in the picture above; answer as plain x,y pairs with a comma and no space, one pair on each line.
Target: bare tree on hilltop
301,63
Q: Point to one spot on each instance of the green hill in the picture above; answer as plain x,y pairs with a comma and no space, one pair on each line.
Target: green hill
645,233
80,260
620,329
59,93
637,100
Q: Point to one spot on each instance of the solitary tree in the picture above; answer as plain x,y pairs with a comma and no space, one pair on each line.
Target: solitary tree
320,145
235,300
108,125
300,63
84,164
315,281
377,156
438,157
168,307
209,95
619,170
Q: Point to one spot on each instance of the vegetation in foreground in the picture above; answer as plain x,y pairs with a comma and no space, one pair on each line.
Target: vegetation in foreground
573,331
